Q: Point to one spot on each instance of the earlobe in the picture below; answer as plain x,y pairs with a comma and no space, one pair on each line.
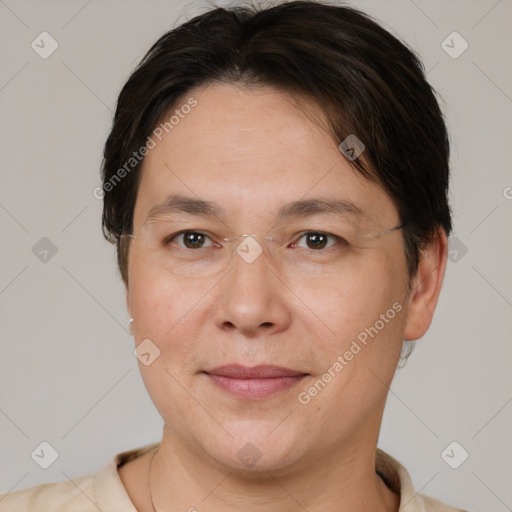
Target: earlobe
426,287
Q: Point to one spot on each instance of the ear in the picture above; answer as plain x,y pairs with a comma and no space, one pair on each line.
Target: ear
426,287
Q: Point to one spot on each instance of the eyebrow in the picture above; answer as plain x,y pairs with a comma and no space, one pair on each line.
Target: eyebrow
177,203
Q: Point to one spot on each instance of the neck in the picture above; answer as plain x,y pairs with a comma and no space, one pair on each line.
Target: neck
338,479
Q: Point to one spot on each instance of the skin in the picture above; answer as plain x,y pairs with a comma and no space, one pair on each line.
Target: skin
251,151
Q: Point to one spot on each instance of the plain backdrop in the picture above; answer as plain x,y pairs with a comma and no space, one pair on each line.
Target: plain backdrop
68,375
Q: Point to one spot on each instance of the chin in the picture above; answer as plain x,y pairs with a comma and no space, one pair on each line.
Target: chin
256,447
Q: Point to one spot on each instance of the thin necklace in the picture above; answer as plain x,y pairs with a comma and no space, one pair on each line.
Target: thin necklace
149,480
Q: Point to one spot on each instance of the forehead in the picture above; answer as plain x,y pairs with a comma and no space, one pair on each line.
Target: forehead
252,151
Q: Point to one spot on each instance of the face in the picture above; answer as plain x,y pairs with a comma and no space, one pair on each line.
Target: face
332,325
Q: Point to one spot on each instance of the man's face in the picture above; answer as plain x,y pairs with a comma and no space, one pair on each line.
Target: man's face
251,153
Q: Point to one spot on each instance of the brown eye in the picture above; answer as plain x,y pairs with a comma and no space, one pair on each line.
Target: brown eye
191,239
317,240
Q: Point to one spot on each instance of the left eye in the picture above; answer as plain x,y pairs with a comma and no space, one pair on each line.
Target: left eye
317,240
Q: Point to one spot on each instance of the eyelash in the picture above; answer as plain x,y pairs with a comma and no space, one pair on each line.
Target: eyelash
338,239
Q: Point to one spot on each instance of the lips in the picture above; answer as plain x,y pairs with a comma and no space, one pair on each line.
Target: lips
253,372
256,382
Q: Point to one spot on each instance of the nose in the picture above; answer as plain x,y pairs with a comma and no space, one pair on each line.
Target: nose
252,298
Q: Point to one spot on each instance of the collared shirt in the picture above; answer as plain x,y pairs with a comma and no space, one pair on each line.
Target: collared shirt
104,490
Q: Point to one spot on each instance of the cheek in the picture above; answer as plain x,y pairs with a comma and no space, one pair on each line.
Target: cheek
361,359
161,304
165,312
346,304
170,313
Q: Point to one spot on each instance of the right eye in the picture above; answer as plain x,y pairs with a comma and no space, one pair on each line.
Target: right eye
189,239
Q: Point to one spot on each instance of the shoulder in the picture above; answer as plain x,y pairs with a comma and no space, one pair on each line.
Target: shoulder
73,495
425,503
397,478
100,491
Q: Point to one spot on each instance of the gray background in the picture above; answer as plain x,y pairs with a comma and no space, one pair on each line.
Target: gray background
68,374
